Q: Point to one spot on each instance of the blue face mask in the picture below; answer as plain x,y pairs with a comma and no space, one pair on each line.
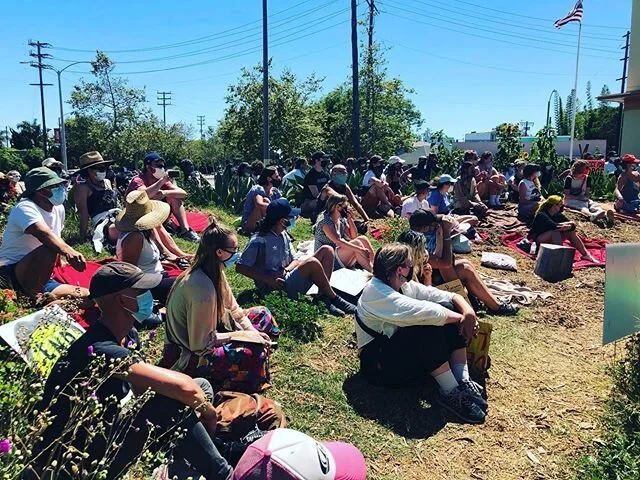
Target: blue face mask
145,306
291,222
339,179
58,196
232,260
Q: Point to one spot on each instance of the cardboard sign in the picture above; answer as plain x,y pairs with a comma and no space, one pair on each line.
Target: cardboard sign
455,286
621,292
41,337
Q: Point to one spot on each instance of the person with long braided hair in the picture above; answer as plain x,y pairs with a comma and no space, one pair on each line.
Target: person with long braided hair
208,334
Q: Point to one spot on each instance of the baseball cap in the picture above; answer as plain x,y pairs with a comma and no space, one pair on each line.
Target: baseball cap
41,177
395,159
281,208
152,156
285,454
422,186
117,276
446,179
629,158
423,218
51,163
318,155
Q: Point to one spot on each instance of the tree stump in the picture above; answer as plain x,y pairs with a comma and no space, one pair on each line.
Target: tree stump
554,262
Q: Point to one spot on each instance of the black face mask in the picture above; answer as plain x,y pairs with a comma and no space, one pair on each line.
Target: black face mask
343,212
287,222
276,182
377,170
409,276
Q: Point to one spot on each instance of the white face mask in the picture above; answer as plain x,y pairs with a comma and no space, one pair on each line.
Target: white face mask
100,176
158,173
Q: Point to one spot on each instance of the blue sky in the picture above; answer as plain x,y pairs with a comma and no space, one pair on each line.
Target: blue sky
472,63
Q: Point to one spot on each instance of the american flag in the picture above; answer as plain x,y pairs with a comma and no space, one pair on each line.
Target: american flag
574,15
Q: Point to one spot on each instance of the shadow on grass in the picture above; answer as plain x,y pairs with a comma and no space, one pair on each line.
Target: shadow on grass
403,410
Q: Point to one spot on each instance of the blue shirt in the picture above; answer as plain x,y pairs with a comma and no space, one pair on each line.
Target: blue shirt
437,199
268,254
250,200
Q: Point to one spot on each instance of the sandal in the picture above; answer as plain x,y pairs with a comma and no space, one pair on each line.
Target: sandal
505,310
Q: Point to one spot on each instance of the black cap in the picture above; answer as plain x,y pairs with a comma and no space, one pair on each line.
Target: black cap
318,155
117,276
423,218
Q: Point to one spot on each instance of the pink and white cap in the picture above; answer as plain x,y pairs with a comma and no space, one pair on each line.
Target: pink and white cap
285,454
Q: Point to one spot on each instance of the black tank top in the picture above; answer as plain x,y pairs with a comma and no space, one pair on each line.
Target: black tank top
100,200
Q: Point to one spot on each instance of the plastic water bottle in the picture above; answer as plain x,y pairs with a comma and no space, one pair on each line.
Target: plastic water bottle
534,248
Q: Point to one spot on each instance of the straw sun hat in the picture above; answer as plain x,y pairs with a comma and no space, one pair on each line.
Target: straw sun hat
140,213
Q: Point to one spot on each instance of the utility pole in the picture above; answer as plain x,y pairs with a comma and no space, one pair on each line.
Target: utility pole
355,89
201,123
623,86
265,84
6,134
370,119
526,126
39,56
164,99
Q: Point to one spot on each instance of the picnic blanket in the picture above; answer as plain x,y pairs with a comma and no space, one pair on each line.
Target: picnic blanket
66,274
507,292
198,221
505,219
596,247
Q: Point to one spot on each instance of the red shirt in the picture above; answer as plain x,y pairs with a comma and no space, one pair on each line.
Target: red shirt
140,181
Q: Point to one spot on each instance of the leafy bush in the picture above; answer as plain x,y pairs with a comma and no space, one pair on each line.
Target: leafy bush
11,160
449,157
296,318
618,457
228,191
509,145
602,185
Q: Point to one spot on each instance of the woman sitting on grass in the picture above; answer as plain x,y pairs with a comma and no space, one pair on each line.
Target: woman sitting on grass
405,333
440,203
208,334
551,226
491,183
337,229
576,194
529,195
628,186
422,271
467,200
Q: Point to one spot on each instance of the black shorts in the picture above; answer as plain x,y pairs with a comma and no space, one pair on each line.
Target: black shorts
410,355
8,280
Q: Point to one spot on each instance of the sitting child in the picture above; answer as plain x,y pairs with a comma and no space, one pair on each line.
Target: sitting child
576,193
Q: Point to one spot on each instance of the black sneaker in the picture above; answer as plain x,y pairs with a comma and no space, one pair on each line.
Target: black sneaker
333,310
460,403
190,235
343,305
505,310
475,392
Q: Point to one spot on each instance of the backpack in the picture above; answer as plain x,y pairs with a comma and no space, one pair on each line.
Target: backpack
240,413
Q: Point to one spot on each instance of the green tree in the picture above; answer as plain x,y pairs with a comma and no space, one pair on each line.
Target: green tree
10,160
108,98
34,157
294,126
509,145
26,135
543,150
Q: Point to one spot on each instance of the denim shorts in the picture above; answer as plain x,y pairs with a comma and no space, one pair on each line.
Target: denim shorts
296,284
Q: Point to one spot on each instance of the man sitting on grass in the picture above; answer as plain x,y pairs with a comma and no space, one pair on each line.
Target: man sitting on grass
31,242
101,368
155,180
268,260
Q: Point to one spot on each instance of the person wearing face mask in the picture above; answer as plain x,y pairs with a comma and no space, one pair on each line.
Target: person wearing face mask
208,334
336,229
440,203
314,182
109,354
137,224
338,186
416,201
155,180
259,197
529,196
54,165
269,261
94,198
32,241
490,183
298,172
406,331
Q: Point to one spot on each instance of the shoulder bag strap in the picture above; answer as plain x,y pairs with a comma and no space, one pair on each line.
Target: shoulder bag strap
367,329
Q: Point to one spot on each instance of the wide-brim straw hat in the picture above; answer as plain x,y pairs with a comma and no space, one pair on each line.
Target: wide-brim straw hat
92,159
141,213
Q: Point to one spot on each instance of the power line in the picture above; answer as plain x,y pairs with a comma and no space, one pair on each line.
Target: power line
225,33
164,99
495,32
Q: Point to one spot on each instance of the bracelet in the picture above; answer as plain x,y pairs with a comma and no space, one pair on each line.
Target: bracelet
447,239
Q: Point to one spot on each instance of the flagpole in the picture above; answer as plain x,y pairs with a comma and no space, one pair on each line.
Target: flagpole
575,95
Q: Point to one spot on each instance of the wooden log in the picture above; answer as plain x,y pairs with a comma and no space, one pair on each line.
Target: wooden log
554,262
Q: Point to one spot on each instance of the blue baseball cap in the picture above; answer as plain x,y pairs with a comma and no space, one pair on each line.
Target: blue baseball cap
446,179
152,156
281,208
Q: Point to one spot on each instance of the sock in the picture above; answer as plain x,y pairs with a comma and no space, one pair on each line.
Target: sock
493,200
460,371
446,381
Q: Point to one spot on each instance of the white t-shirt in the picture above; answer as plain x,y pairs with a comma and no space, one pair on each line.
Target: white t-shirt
16,244
366,181
412,204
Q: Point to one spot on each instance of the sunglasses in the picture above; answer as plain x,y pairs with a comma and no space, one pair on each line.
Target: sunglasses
230,250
